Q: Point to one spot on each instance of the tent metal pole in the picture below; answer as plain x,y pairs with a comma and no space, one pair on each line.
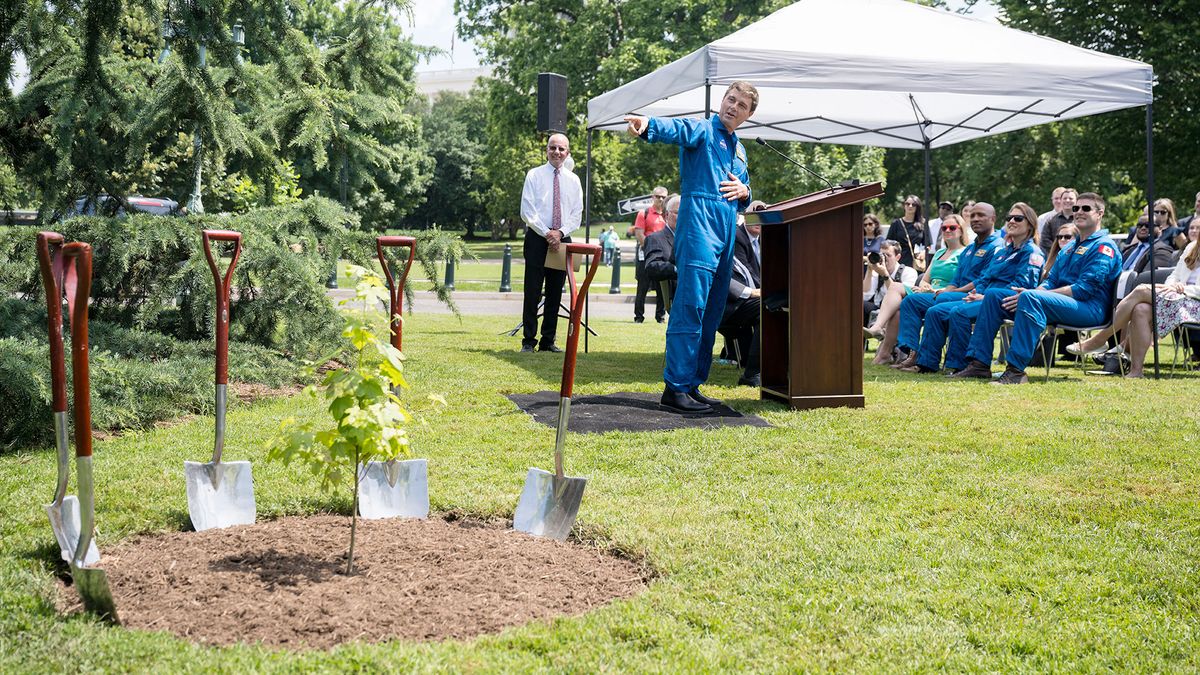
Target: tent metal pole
928,169
707,99
1150,215
587,220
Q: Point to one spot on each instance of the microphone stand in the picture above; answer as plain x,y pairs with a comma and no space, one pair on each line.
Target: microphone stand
853,182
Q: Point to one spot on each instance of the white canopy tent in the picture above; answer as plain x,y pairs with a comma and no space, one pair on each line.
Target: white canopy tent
887,73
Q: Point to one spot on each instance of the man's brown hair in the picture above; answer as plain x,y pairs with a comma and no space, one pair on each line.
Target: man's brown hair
1092,196
744,87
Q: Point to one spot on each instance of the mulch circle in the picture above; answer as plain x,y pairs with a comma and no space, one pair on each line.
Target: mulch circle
281,582
626,411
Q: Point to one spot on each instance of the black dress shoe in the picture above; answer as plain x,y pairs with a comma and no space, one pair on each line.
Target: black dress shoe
551,348
975,369
678,401
660,319
750,381
527,349
638,319
701,398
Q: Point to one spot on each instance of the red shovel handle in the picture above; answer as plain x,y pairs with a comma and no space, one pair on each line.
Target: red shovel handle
79,286
50,260
222,285
396,289
568,379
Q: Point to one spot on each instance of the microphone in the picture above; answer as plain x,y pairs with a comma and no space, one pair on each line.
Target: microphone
847,184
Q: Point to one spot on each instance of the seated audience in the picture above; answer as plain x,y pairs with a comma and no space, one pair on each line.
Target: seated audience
1177,302
1164,218
1078,292
1018,264
742,309
972,263
1065,235
909,231
940,274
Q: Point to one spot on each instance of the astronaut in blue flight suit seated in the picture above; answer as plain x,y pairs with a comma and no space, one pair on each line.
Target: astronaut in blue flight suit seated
714,186
1077,292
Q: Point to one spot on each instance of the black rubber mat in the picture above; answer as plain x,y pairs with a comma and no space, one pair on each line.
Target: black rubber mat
625,411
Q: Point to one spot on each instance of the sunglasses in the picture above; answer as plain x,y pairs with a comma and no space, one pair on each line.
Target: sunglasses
1065,237
1086,208
1016,218
949,228
1159,213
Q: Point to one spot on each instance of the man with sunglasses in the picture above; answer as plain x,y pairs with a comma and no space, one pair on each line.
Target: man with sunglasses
1136,253
1077,292
972,263
648,221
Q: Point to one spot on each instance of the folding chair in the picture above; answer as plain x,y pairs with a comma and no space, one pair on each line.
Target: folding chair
1183,339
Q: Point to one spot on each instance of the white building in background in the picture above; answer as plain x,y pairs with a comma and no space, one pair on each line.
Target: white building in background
460,80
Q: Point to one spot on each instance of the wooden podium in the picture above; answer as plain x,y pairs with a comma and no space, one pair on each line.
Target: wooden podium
811,327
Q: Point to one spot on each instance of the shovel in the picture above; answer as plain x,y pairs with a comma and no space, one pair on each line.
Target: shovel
394,488
220,494
64,510
91,582
550,501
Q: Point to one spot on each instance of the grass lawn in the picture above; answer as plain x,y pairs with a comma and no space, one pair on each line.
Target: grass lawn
947,526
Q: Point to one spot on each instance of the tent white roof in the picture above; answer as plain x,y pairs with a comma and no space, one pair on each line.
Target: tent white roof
888,73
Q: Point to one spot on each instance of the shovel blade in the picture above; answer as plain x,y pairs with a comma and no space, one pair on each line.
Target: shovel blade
398,489
229,502
64,519
92,584
548,504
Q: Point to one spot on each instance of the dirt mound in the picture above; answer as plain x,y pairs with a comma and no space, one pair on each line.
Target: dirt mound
281,583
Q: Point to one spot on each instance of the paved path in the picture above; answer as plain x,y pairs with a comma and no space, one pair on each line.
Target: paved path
605,306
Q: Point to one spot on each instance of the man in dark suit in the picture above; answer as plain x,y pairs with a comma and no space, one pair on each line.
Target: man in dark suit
744,304
660,252
1136,255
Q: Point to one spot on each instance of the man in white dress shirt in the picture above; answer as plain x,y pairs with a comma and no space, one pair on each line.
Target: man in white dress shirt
551,206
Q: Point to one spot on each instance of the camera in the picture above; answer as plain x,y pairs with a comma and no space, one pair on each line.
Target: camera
874,258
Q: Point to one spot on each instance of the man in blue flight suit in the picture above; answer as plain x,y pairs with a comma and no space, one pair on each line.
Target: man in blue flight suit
1077,292
1019,263
714,187
972,263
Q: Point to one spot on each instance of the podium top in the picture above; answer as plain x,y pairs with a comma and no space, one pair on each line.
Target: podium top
813,203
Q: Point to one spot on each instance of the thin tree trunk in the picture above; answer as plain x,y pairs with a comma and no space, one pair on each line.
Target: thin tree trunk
353,517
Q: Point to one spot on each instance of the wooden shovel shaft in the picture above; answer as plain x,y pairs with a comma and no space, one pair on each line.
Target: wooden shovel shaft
50,260
568,378
395,288
79,286
222,286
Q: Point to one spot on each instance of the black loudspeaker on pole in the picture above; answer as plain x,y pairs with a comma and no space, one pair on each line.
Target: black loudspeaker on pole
552,103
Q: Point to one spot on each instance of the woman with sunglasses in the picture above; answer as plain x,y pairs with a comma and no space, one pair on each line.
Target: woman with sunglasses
939,275
1177,303
872,237
1065,235
909,231
1018,264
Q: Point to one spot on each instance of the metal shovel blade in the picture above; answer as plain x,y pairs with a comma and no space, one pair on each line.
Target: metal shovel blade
92,584
219,494
394,489
548,504
64,518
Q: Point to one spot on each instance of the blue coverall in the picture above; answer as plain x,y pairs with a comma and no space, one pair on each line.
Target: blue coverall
704,231
1020,267
1089,267
972,263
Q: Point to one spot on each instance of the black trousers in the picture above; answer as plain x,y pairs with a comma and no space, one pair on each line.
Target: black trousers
644,285
537,277
742,323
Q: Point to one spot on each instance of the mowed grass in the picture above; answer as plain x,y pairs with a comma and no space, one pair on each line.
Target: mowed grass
946,526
